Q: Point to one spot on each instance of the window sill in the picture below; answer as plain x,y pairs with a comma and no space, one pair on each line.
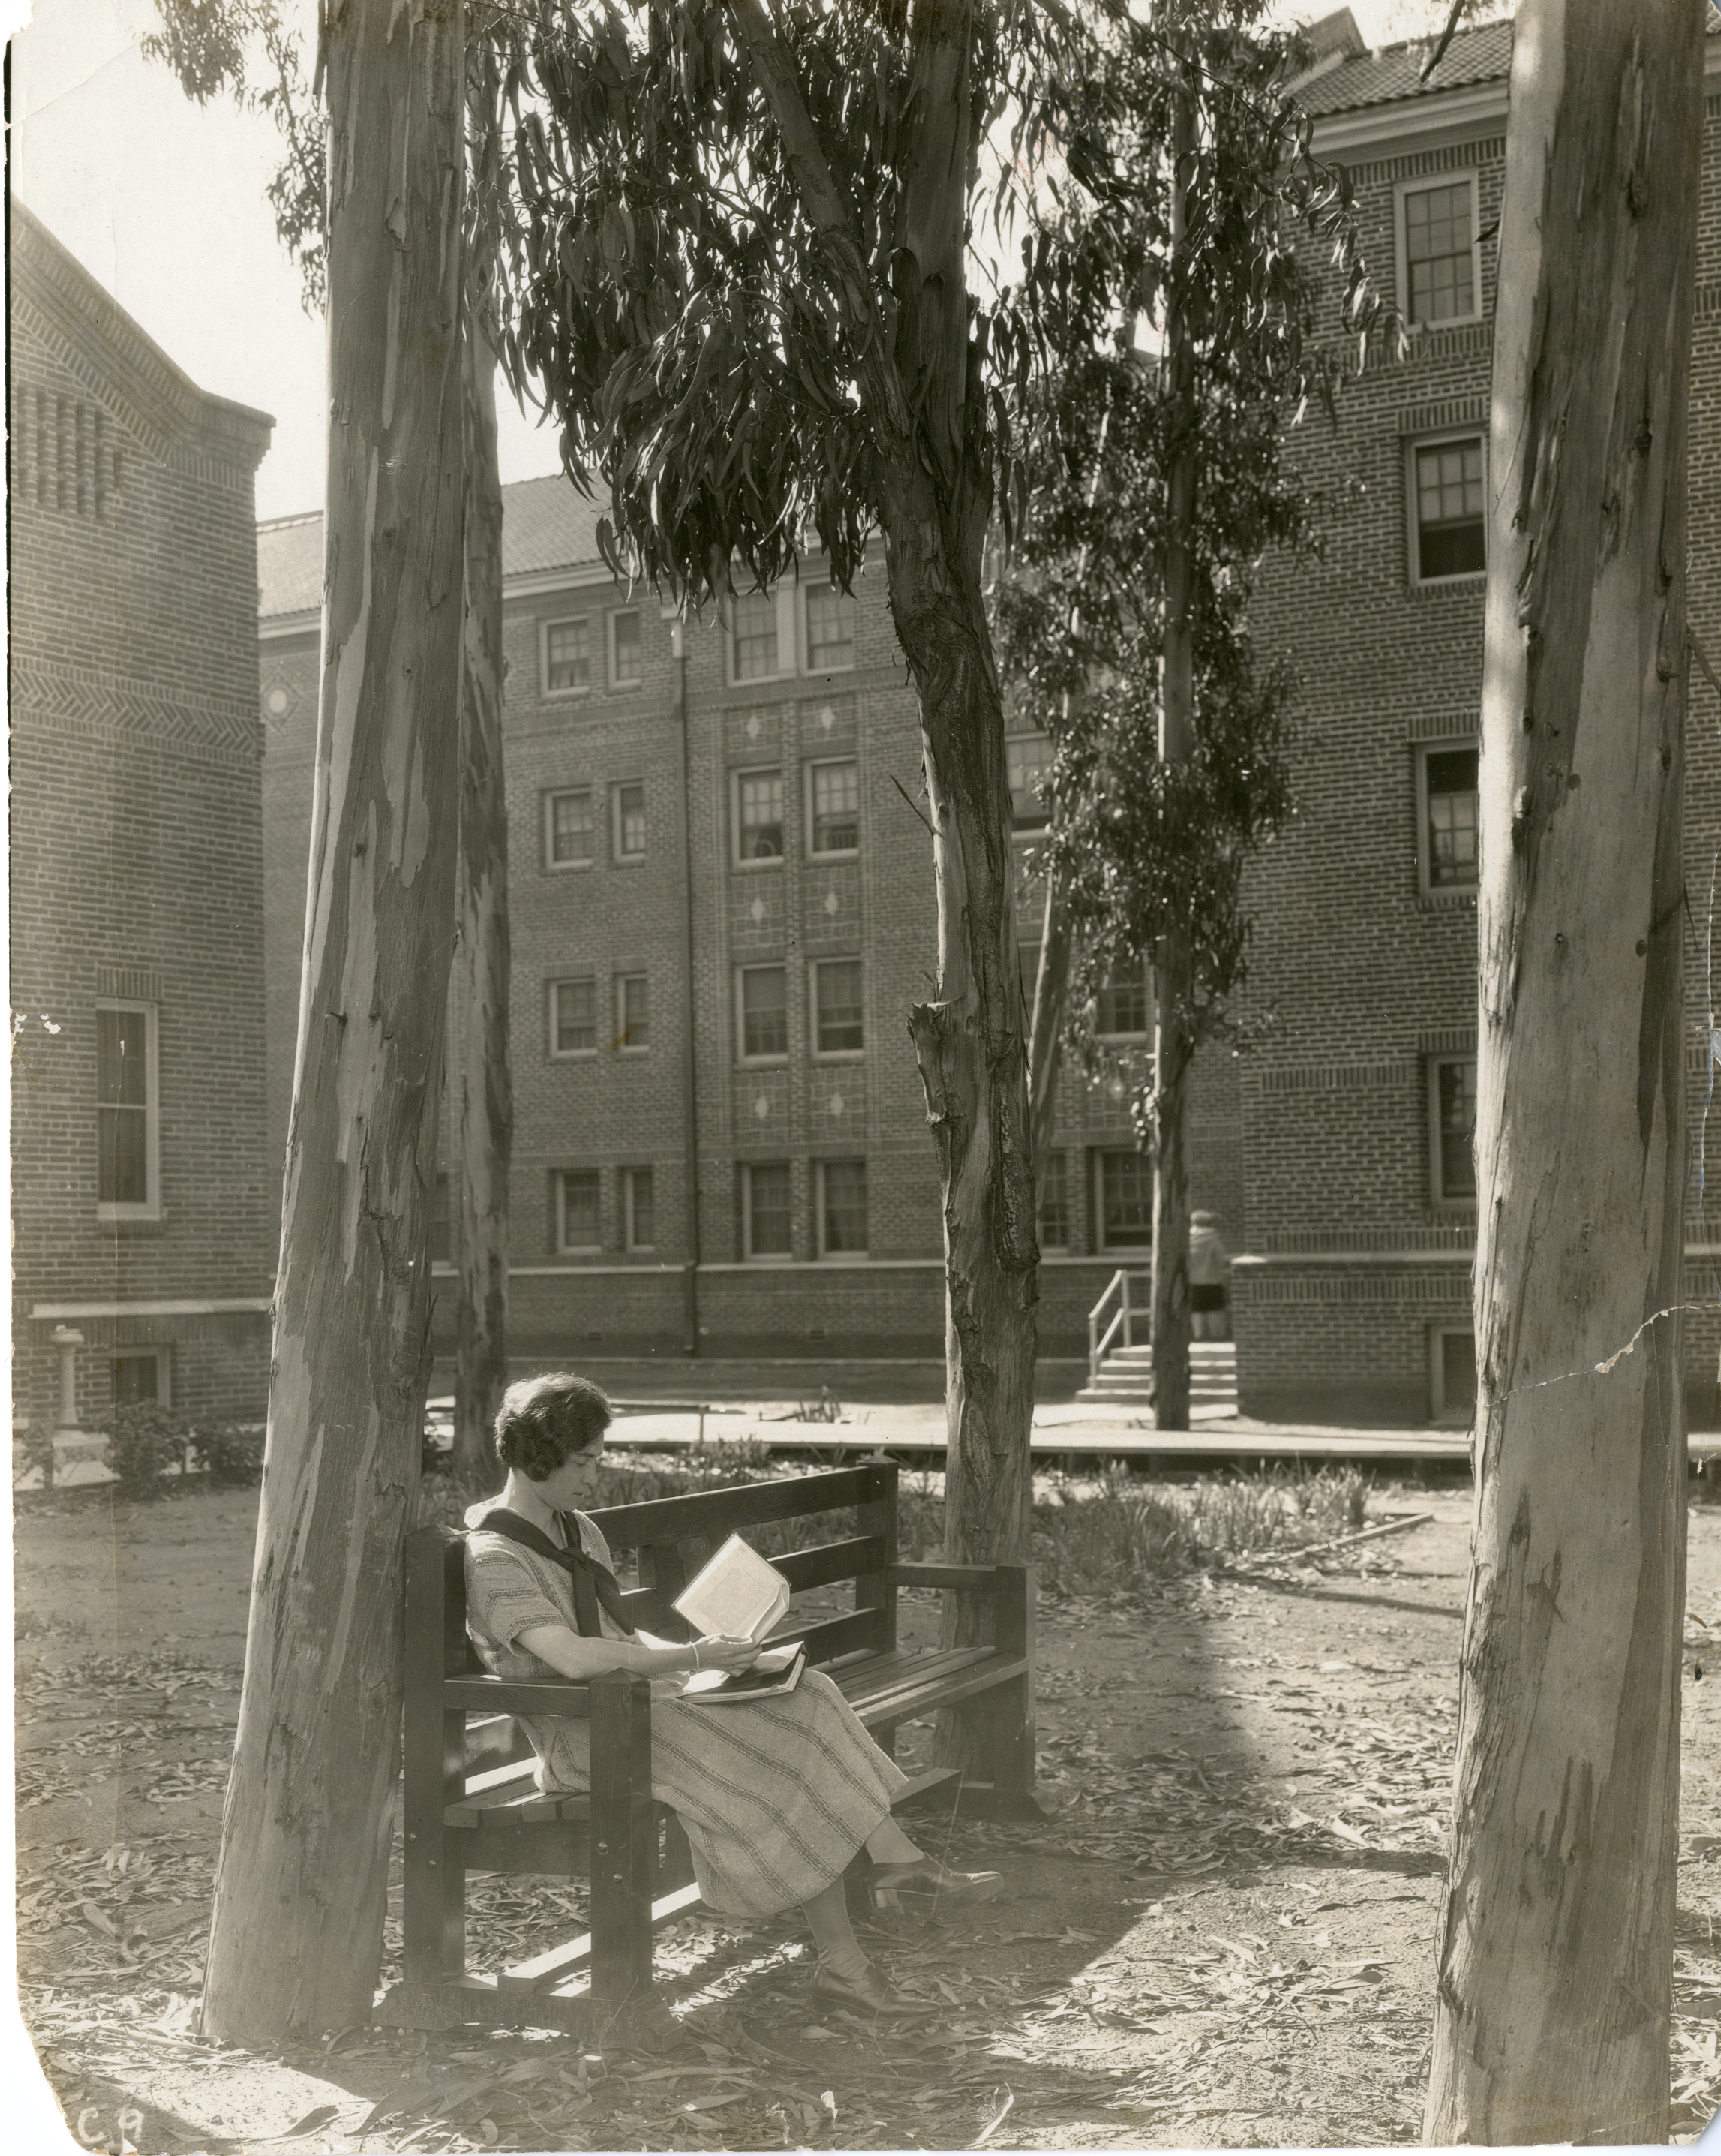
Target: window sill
1466,580
825,1056
1447,901
628,861
841,854
573,1055
143,1217
565,868
564,696
760,861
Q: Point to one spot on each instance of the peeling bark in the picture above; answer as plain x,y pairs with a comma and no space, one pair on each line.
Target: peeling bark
1554,1994
297,1930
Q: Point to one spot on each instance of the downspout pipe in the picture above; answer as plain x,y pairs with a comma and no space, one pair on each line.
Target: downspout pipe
690,1075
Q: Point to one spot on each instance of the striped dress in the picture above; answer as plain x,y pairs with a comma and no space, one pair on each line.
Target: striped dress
775,1795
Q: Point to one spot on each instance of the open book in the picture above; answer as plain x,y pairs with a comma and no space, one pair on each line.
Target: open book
777,1671
735,1596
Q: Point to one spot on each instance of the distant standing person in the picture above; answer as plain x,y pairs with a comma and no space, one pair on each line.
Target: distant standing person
1209,1262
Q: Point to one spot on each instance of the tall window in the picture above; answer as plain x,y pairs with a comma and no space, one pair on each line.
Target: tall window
1027,759
573,1016
566,657
765,1013
578,1220
567,828
1125,1179
126,1146
627,817
1447,786
758,815
1451,533
1440,252
835,822
633,1012
767,1215
1452,1373
830,629
1120,1010
755,647
837,1019
1452,1093
639,1227
1054,1202
843,1209
627,662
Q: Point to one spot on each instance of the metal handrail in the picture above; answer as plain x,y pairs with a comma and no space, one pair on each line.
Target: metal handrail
1098,1342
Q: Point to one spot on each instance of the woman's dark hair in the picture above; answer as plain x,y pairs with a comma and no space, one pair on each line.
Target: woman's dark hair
544,1421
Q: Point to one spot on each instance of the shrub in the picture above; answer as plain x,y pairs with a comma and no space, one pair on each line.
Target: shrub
231,1456
144,1438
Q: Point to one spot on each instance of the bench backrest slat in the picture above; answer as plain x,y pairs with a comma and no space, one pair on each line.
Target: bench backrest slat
712,1515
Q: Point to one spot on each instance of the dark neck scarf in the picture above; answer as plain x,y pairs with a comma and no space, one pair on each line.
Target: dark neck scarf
595,1585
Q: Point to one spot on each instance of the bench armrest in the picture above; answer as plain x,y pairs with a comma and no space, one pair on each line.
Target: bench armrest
974,1579
489,1695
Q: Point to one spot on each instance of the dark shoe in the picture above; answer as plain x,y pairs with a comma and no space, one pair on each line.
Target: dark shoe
870,1993
931,1887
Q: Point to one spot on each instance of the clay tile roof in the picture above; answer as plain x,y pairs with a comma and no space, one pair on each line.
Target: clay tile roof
545,524
1482,55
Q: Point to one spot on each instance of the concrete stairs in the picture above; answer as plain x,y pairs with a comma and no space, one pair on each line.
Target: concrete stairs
1125,1379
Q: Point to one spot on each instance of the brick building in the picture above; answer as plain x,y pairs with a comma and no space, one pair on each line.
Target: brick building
1354,1295
142,1186
722,908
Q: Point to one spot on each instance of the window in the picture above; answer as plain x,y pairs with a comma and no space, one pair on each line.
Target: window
573,1016
759,816
837,1029
1125,1180
834,822
764,1013
754,648
1452,1373
578,1220
1120,1011
830,629
1447,792
627,820
627,662
1452,1100
843,1209
442,1224
766,1210
633,1013
1450,536
568,829
127,1112
141,1374
566,657
1054,1202
1438,238
1027,759
639,1223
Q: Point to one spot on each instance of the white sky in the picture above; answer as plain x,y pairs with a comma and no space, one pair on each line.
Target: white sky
162,200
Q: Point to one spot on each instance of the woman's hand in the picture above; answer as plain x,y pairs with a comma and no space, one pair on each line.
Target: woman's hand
728,1656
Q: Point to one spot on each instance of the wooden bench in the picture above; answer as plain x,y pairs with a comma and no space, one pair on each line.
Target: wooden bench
471,1804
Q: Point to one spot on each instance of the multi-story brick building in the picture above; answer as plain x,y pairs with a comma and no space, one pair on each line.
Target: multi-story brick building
1354,1295
142,1186
722,904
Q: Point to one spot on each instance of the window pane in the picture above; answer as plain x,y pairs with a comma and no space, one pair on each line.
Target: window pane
1457,1372
122,1126
624,628
577,1199
1121,1006
830,629
1451,539
843,1213
765,1011
768,1211
630,821
642,1226
633,1015
759,797
1457,1128
121,1065
1437,253
1054,1202
1126,1199
571,827
835,807
756,636
136,1378
1451,816
1028,758
576,1018
839,1005
567,661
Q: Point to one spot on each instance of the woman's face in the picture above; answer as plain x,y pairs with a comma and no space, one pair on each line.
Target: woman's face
573,1481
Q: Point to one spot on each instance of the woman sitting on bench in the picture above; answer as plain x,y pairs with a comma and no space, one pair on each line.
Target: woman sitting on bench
776,1794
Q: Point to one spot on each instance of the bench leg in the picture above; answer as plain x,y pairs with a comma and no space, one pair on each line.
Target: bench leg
1009,1712
433,1877
623,1853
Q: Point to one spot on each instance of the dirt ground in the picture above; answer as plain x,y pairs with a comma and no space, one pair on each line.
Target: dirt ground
1223,1938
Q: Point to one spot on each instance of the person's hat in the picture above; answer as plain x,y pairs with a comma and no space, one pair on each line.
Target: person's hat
1202,1219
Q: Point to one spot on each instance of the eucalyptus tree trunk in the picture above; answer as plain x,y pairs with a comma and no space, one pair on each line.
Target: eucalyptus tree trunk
1552,2016
485,1096
1046,1023
297,1930
1174,977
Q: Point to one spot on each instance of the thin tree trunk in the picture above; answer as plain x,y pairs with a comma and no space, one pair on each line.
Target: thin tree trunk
1174,982
1046,1027
485,1099
1552,2015
297,1930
